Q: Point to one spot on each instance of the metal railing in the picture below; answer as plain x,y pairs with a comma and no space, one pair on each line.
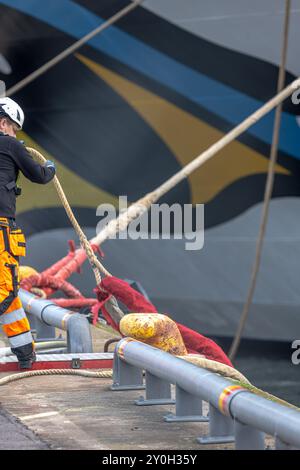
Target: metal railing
235,414
45,316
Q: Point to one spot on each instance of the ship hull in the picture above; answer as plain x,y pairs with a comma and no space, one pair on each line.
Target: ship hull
132,108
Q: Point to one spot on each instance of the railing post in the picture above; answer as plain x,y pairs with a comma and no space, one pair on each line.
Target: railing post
158,392
125,376
42,331
221,428
248,438
188,408
79,338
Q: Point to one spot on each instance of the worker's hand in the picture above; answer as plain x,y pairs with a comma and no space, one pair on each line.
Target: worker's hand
50,164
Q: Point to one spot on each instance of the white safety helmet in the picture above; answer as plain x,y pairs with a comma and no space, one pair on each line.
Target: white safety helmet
10,108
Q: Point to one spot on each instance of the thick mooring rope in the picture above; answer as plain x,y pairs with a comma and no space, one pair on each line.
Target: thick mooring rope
39,292
214,366
143,204
94,261
102,374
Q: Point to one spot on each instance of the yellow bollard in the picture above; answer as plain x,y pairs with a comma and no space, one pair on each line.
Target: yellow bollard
26,271
154,329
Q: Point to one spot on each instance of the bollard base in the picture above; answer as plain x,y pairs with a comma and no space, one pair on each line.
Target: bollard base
215,439
154,401
172,418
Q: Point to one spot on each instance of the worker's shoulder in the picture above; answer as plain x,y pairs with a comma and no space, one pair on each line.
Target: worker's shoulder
5,139
11,143
6,144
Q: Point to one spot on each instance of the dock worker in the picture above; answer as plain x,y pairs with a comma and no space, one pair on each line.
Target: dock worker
14,158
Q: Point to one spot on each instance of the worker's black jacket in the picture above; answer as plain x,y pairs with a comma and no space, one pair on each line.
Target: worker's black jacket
14,158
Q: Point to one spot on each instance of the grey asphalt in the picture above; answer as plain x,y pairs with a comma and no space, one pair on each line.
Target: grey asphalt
15,435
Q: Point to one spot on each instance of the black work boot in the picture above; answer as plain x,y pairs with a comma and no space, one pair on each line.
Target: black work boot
27,363
26,355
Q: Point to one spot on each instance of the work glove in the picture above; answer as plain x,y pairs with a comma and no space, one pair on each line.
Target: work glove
50,164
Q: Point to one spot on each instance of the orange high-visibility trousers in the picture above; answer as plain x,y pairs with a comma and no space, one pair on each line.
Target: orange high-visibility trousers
12,316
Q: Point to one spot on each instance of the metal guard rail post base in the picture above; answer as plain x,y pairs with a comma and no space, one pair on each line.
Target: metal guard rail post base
125,376
188,408
236,414
248,438
158,392
221,428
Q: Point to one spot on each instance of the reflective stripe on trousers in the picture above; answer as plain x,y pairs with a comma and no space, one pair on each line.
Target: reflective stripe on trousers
16,326
20,340
12,317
